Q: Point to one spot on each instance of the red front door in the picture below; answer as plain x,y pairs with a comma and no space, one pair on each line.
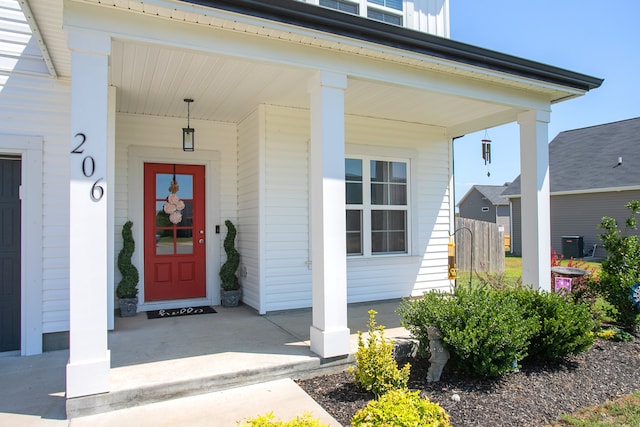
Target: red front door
174,219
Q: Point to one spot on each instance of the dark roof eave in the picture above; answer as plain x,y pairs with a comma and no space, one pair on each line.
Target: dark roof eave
335,22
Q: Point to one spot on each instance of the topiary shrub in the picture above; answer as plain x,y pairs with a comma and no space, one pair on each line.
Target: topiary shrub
228,279
401,408
268,420
621,270
566,327
376,370
128,285
485,330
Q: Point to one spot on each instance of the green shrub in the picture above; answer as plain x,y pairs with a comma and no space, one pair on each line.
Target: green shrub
228,279
376,370
401,408
268,420
128,285
614,334
416,315
621,270
566,327
485,330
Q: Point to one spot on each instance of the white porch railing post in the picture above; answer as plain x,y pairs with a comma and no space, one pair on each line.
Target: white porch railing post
89,357
329,331
534,176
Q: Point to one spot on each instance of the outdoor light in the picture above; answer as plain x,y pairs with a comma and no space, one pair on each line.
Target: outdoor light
188,132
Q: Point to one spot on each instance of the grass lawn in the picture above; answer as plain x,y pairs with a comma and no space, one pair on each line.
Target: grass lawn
513,270
624,411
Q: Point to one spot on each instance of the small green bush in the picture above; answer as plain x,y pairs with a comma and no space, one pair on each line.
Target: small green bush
614,334
376,370
566,327
401,408
268,420
621,270
228,279
128,285
485,330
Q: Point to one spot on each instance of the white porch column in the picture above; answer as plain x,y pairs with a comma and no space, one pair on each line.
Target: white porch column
89,358
534,176
329,331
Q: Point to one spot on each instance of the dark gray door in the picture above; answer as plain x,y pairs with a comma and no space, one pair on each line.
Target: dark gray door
9,253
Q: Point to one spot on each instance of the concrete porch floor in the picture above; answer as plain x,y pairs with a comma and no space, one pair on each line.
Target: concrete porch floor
155,360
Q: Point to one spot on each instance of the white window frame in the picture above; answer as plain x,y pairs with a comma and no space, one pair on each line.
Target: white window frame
367,207
385,9
365,5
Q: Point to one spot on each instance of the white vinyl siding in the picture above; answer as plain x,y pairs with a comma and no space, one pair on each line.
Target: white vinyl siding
287,277
40,107
286,273
249,189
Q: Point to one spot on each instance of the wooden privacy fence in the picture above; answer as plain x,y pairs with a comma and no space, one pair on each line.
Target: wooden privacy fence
487,249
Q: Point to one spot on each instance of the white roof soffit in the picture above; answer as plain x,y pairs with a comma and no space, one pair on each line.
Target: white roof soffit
26,9
220,18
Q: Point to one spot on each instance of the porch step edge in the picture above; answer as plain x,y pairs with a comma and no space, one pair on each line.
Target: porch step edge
128,398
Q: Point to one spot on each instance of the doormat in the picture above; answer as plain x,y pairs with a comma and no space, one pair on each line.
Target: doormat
177,312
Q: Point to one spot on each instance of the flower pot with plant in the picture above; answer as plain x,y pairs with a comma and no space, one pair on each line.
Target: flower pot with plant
230,292
127,289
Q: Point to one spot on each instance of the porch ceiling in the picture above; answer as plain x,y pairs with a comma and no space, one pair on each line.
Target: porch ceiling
154,80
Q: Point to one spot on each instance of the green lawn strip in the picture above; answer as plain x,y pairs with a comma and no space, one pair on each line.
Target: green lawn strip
622,412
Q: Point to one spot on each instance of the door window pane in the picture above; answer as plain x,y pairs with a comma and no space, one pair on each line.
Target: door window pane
173,238
185,184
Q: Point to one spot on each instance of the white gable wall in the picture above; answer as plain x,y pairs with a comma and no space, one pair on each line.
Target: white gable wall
284,271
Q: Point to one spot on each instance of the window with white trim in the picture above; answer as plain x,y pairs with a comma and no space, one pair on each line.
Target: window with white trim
377,206
389,11
343,5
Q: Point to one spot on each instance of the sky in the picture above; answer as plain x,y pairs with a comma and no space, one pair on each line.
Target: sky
593,37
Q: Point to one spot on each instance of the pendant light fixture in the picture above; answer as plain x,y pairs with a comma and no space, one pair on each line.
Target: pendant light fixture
188,140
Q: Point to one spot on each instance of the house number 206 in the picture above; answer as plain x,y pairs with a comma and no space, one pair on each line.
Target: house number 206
88,167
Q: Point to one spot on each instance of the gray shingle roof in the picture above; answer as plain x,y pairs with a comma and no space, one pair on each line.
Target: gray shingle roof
585,159
493,193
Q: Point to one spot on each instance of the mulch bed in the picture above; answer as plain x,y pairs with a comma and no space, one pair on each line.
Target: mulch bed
535,396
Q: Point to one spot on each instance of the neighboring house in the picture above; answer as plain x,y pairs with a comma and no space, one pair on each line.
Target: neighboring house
485,203
593,173
324,136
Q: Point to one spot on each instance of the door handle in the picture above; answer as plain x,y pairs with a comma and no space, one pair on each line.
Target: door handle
201,241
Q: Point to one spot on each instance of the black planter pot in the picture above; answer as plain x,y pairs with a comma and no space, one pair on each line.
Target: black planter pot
230,298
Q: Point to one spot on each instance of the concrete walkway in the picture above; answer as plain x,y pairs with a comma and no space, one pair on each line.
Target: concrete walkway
213,369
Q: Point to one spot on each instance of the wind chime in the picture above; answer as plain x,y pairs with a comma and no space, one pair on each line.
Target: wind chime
174,206
486,151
